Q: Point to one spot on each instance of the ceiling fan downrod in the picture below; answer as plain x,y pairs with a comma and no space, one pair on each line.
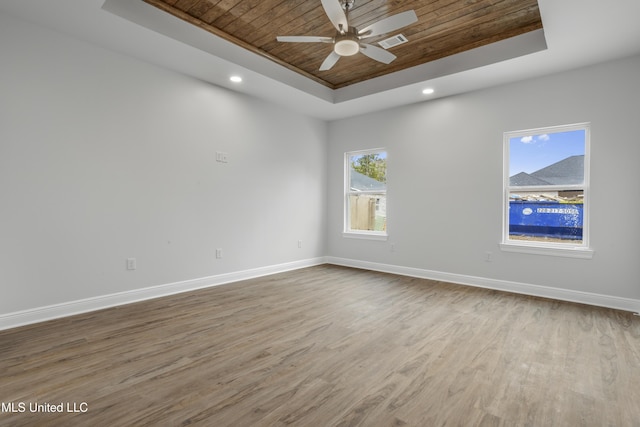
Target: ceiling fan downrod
347,5
347,42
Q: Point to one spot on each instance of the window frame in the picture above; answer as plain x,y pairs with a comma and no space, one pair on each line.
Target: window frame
346,231
580,250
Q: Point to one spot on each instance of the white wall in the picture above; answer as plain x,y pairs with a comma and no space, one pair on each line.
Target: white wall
445,180
103,157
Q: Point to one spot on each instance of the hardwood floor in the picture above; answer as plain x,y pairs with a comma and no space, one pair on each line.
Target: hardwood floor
328,346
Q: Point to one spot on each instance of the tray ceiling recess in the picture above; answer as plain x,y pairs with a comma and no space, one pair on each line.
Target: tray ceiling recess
443,28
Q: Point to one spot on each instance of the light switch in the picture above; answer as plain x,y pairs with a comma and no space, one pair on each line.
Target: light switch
222,157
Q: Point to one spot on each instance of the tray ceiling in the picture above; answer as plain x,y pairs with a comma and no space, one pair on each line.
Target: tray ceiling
444,28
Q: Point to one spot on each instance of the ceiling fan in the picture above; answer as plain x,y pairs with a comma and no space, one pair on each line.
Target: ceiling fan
347,40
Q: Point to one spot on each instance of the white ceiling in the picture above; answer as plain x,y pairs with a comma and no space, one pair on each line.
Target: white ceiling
577,33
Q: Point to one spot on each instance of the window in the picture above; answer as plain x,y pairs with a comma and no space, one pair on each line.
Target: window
546,184
366,194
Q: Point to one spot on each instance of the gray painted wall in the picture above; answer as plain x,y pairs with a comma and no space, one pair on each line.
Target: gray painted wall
445,179
103,157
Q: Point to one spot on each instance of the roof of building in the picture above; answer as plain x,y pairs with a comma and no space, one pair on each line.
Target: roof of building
360,182
568,171
523,179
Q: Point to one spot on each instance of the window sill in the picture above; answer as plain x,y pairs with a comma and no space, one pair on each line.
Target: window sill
365,235
582,253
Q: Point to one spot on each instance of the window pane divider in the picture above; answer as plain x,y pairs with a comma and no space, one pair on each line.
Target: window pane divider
365,192
546,188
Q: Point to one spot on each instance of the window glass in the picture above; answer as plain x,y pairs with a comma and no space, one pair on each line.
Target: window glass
546,186
366,192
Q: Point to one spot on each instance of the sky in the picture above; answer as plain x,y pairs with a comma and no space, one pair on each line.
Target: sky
530,153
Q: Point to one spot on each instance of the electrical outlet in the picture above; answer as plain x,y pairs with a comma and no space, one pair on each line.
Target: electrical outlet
488,256
299,244
218,253
131,264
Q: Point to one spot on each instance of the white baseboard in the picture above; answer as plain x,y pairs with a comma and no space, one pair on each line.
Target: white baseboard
41,314
626,304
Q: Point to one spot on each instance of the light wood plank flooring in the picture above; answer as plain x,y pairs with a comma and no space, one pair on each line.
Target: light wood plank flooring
329,346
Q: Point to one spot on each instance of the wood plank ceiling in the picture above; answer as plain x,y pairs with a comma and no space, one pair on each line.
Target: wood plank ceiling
444,28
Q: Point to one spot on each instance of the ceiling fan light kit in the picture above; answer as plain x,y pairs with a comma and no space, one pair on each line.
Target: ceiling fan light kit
346,45
349,42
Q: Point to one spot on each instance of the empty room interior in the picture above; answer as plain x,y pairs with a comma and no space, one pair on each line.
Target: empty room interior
319,213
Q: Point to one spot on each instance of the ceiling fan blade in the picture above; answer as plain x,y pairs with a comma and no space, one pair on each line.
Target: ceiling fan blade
329,61
389,24
377,53
304,39
336,15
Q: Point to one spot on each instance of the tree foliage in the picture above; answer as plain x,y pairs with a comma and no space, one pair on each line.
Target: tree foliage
372,166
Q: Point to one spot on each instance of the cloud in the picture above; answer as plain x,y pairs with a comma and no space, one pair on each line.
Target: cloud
532,139
526,139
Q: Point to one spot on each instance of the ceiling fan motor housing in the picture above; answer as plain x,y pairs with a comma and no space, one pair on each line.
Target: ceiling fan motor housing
347,44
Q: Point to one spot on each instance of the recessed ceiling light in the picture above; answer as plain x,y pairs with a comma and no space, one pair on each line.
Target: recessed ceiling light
428,91
235,79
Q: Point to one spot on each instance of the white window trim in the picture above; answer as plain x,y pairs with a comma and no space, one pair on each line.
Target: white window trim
526,248
366,235
582,250
358,234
